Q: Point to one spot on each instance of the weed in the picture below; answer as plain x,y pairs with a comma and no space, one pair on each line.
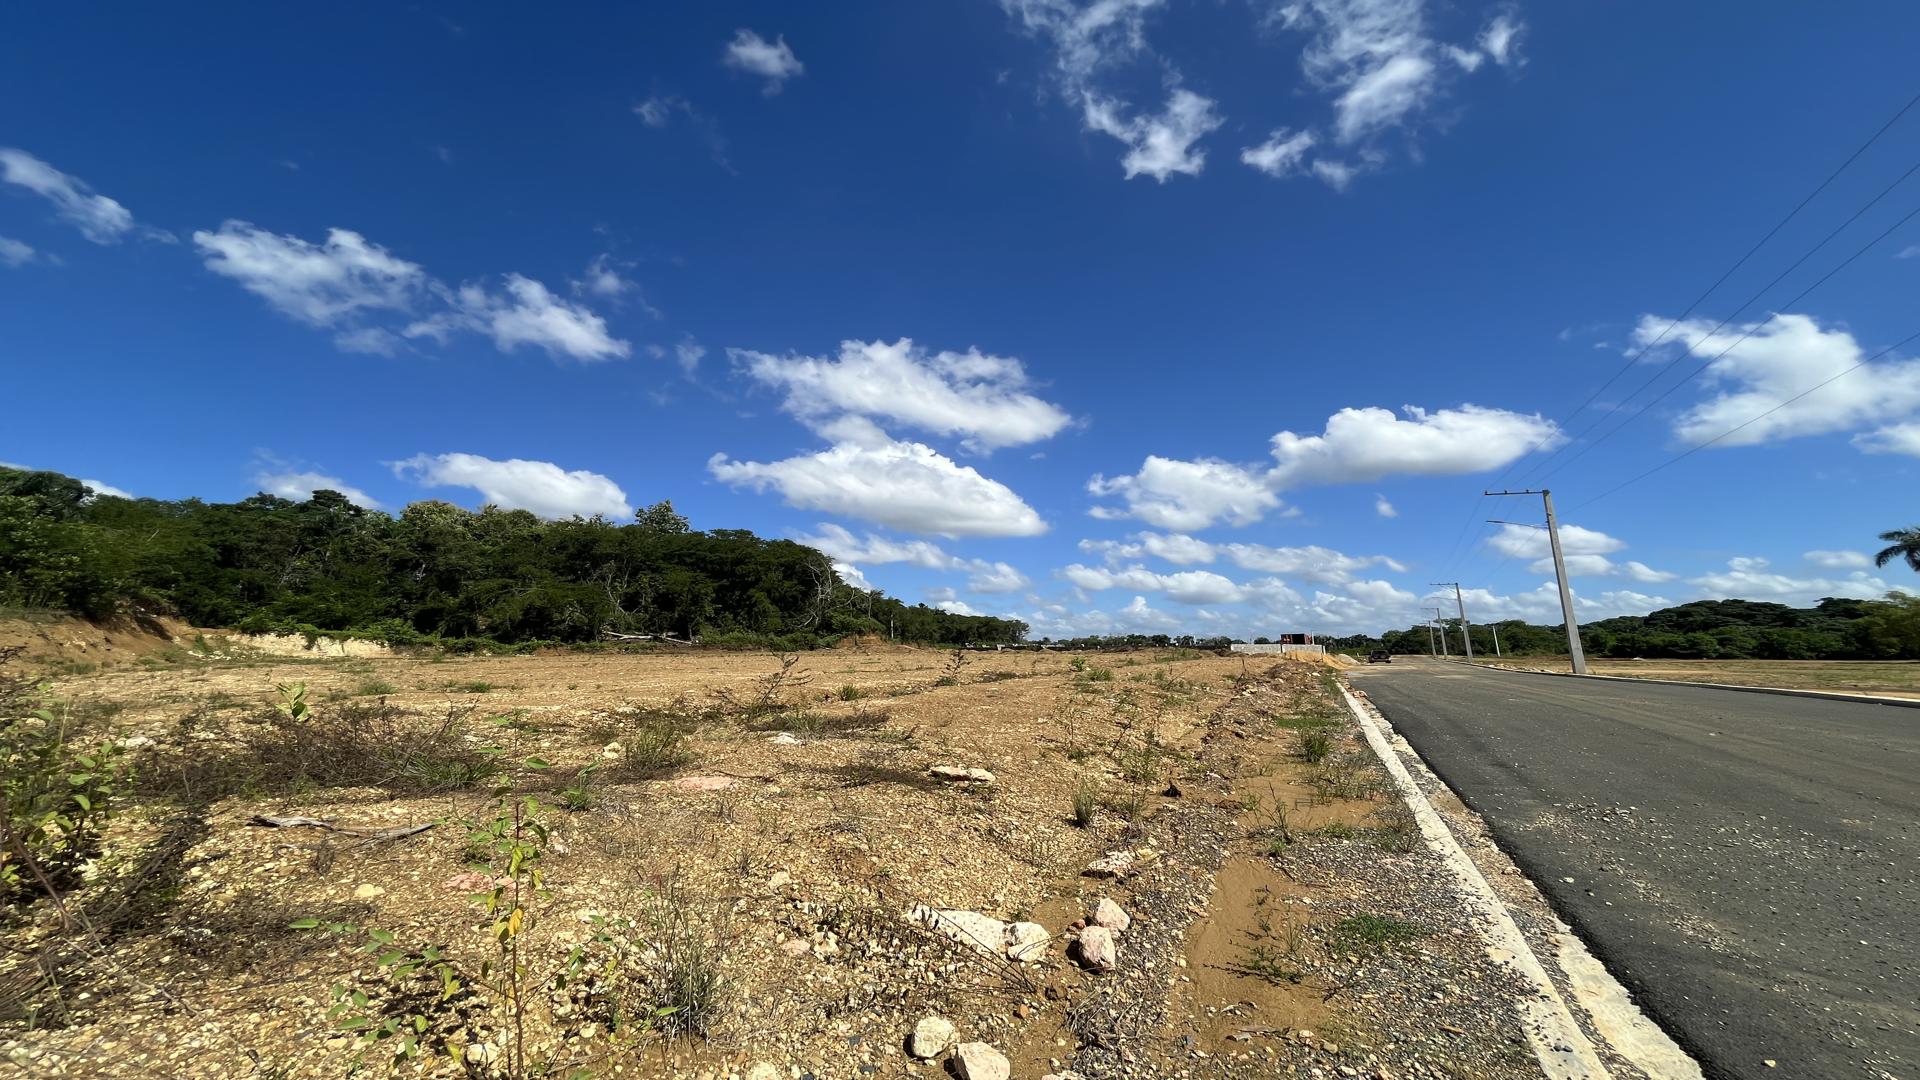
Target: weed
1267,962
583,791
1098,674
1127,804
1345,778
1316,744
851,692
998,676
356,744
473,687
1085,801
1372,933
57,789
1338,830
375,688
1278,832
1077,663
950,675
651,749
1397,829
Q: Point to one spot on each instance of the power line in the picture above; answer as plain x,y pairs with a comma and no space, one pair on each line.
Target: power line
1677,458
1637,413
1454,550
1742,261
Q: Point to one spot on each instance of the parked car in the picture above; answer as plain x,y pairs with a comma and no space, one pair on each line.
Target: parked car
1379,656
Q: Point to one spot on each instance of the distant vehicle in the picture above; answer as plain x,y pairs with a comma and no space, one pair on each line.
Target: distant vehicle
1379,656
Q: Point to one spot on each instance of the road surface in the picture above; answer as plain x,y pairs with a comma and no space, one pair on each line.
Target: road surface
1745,863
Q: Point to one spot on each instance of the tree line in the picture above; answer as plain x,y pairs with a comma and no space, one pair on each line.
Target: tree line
1833,629
436,572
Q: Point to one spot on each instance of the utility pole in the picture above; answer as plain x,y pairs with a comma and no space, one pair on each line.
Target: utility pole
1444,654
1495,627
1574,651
1461,603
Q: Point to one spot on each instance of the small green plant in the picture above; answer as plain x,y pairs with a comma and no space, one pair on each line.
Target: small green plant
58,791
583,791
1267,962
651,749
851,692
956,662
1372,933
1128,805
375,688
1338,830
474,686
1085,801
392,1024
1098,674
1077,663
1396,829
1278,832
1316,745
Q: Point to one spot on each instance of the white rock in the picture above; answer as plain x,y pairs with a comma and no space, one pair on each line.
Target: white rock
983,932
482,1053
1097,950
368,891
932,1036
784,739
1110,915
780,880
1027,941
762,1070
978,1061
1112,864
960,773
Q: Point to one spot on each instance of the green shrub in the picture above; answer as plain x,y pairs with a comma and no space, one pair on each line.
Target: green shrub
57,784
1316,745
1086,800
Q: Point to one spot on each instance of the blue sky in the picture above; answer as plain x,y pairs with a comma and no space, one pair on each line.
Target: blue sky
1176,317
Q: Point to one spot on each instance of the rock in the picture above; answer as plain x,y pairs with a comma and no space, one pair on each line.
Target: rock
978,1061
368,891
763,1070
1096,948
784,739
796,947
704,783
983,932
1111,865
481,1053
1110,915
780,880
1027,941
932,1036
1055,992
960,773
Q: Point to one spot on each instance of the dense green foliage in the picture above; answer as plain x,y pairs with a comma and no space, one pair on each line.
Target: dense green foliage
1833,629
435,571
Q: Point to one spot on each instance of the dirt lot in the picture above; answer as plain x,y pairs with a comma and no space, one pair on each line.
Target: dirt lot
728,864
1890,678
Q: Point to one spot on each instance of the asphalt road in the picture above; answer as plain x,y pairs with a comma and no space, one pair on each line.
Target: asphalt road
1748,865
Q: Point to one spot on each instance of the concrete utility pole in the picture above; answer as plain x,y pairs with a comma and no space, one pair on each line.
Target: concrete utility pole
1465,639
1443,633
1495,627
1574,651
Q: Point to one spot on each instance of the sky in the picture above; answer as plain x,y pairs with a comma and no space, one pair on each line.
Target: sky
1125,316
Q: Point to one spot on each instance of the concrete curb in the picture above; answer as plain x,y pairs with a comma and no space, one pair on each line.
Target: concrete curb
1559,1045
1825,695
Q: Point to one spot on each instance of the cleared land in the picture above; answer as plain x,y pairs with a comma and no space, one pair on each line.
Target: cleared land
1891,678
733,852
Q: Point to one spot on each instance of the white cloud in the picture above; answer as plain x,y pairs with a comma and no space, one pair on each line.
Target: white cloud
1523,542
1137,617
1337,174
997,577
1283,154
1501,40
1767,363
319,284
840,543
99,219
1912,251
851,574
957,607
1360,445
982,398
1186,586
528,313
755,55
904,485
1185,495
1384,508
1639,571
99,487
688,353
1158,144
603,279
1468,59
1750,579
1312,562
14,252
1383,96
541,487
1839,560
1086,38
300,486
1892,439
657,111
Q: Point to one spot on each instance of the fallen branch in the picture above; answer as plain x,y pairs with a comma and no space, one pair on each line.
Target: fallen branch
373,836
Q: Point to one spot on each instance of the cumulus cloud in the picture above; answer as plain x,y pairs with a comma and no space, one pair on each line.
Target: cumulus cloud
1186,586
1311,562
526,313
771,60
1749,578
1384,508
1755,367
99,219
1186,495
1158,144
1892,439
540,487
1136,617
903,485
1358,446
101,487
1585,551
603,279
14,252
319,284
842,544
996,577
300,486
343,281
981,398
1839,560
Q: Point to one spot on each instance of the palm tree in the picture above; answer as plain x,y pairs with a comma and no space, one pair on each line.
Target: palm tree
1904,544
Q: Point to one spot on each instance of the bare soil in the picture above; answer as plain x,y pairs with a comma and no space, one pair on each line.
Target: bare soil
789,841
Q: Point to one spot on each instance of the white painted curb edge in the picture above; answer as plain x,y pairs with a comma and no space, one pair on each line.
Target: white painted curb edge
1558,1043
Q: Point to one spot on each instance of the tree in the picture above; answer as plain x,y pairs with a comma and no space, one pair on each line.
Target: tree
1902,544
661,518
